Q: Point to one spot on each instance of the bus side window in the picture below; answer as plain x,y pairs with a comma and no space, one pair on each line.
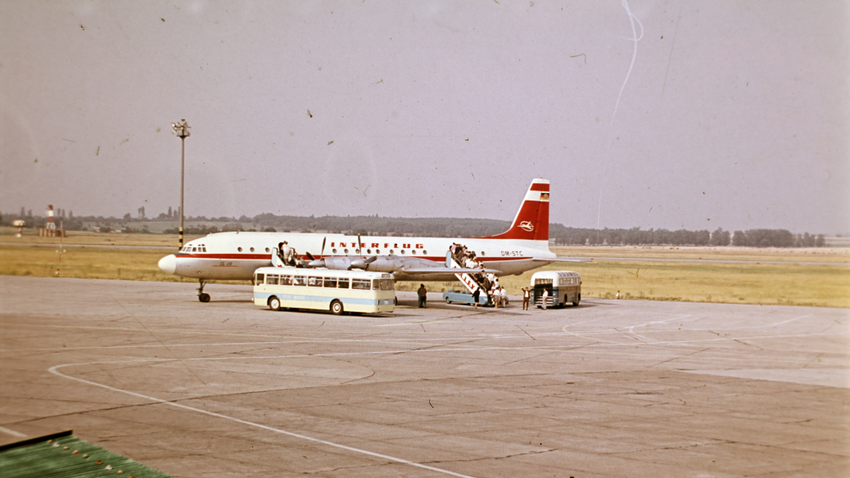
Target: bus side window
343,283
314,281
259,279
298,280
361,284
271,279
330,281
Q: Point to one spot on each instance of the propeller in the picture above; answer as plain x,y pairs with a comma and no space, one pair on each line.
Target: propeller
361,263
313,262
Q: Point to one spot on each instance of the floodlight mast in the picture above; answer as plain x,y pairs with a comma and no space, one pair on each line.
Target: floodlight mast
182,132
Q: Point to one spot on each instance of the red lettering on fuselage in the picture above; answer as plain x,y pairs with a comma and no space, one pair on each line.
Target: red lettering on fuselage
376,245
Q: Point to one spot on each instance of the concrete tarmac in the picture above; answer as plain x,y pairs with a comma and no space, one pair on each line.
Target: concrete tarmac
609,388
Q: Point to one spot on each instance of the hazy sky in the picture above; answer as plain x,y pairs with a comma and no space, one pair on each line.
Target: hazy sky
732,114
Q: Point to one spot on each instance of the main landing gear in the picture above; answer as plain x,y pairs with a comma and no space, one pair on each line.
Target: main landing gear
202,296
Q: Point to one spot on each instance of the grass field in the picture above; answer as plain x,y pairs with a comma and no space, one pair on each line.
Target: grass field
792,282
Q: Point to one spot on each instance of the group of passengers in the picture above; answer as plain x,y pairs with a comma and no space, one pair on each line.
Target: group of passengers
286,255
487,281
463,256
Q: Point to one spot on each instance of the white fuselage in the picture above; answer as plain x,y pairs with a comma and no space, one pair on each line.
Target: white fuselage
236,255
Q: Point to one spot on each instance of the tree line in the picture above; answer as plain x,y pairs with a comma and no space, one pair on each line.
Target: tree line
682,237
435,227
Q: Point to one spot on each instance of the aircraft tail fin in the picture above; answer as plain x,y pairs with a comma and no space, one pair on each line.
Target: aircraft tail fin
532,220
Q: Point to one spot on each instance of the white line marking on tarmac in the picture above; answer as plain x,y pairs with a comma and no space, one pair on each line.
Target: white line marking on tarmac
55,371
13,432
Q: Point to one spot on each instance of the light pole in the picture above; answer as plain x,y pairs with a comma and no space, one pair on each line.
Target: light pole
182,131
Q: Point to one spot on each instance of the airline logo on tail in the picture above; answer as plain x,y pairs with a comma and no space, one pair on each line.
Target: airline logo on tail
532,220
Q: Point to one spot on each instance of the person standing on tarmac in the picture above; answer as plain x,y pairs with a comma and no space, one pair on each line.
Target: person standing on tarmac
475,296
526,294
423,294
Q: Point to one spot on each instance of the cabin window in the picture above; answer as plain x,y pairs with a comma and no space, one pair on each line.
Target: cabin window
252,249
424,252
333,250
413,251
267,250
391,251
377,251
345,251
402,252
239,249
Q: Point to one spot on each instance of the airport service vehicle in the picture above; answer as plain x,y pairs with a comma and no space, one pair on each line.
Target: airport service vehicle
463,297
324,289
236,255
563,287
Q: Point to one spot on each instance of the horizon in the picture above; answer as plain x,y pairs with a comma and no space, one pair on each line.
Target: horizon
250,220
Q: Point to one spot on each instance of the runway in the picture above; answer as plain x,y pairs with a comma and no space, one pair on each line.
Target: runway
609,388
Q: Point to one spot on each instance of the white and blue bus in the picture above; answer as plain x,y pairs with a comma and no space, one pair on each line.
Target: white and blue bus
338,291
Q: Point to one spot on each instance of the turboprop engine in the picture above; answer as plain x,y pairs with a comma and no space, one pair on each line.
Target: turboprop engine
343,263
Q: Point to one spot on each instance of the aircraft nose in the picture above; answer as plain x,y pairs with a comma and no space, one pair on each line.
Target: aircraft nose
168,264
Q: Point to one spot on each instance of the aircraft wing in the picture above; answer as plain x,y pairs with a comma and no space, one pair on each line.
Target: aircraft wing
444,270
560,259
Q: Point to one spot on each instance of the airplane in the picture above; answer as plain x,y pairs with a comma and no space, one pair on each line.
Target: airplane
236,255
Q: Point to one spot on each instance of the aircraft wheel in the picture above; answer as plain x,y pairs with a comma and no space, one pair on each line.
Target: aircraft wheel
274,303
204,297
336,307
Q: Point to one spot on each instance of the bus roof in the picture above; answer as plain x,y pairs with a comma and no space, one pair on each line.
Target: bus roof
324,272
554,275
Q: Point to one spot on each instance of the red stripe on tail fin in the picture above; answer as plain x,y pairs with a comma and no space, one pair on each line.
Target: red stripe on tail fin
532,220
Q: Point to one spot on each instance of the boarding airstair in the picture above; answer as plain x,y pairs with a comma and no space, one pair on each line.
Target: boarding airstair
464,277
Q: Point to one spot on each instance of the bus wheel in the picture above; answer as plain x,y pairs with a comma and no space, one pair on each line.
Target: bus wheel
575,304
336,307
274,303
204,297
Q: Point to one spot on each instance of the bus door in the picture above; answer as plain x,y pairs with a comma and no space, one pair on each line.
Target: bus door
539,286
